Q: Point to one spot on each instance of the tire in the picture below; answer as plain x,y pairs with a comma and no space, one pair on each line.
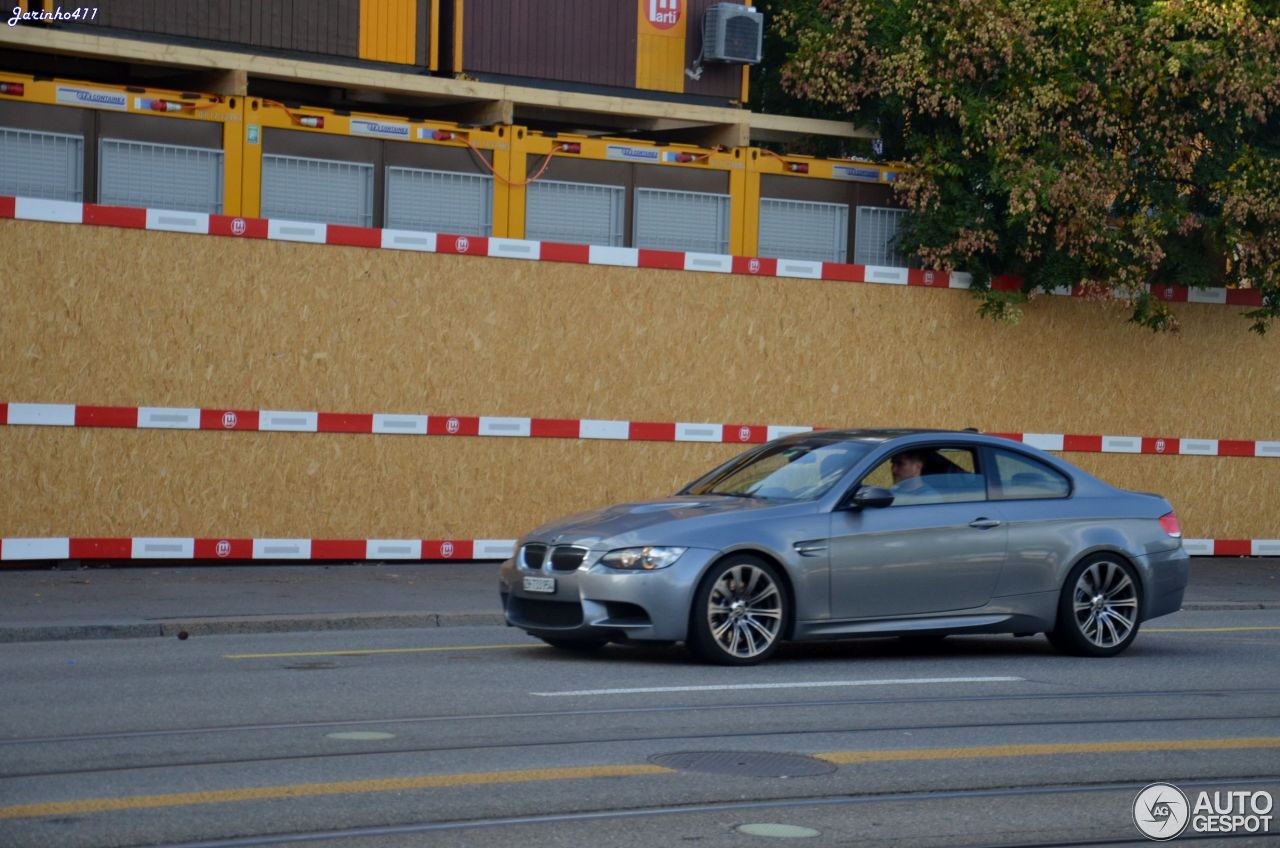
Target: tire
577,646
1100,608
740,612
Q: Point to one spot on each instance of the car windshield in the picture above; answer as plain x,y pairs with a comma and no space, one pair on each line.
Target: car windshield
787,471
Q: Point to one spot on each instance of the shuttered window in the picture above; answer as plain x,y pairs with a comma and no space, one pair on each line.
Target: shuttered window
159,176
41,164
799,229
320,190
876,236
439,201
576,213
682,220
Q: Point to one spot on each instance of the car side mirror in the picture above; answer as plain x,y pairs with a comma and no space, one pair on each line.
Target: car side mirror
870,497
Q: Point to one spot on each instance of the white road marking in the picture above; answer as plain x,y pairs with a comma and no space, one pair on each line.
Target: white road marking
816,684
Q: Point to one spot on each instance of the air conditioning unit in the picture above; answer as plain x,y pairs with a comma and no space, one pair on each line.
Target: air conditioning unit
732,33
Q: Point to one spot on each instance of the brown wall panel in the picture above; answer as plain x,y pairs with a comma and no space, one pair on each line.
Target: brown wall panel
330,27
123,317
584,41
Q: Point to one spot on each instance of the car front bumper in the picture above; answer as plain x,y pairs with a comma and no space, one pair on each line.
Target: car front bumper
596,602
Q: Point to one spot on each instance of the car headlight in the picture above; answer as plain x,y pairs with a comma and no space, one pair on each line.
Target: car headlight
641,559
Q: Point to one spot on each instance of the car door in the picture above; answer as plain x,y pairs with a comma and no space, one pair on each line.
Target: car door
931,554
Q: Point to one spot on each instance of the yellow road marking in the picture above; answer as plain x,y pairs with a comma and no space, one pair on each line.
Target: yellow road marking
312,790
355,652
1046,749
1205,629
445,781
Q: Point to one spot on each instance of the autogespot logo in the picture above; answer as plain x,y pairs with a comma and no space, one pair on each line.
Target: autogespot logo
1160,811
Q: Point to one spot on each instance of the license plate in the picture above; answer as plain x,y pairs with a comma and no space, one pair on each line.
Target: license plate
540,584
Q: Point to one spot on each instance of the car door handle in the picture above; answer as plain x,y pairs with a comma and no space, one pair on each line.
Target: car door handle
984,523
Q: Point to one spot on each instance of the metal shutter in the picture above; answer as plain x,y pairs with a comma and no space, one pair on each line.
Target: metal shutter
41,164
321,190
439,201
159,176
577,213
875,237
682,220
800,229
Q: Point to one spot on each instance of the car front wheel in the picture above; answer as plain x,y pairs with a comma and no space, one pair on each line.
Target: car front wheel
739,612
1099,608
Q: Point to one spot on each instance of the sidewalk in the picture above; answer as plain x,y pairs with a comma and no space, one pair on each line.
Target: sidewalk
166,600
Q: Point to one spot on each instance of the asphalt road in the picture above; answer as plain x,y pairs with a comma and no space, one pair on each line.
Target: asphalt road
478,735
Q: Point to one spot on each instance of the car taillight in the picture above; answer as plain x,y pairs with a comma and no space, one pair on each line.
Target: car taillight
1171,526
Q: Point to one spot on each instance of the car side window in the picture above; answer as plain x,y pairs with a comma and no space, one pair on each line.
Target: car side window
930,475
1019,477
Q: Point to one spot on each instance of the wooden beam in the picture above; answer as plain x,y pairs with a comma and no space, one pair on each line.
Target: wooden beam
729,127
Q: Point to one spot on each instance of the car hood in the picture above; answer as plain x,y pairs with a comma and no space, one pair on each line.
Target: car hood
675,520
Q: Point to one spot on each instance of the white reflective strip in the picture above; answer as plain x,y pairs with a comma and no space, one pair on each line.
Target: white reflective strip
881,274
713,262
410,425
505,426
1198,547
777,432
57,211
36,549
165,418
960,280
164,548
292,422
1266,449
409,240
515,248
588,429
393,549
493,548
43,414
1266,547
1122,444
1206,295
800,269
1044,441
297,231
699,432
1061,291
1198,447
178,222
282,549
627,257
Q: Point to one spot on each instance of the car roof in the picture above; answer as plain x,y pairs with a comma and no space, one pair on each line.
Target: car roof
874,435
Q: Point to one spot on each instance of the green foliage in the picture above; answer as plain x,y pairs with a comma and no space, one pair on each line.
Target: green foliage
1113,145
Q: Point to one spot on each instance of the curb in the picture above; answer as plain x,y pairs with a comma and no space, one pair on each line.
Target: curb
355,621
247,625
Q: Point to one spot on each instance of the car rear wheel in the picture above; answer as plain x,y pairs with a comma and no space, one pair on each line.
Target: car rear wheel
739,612
1099,608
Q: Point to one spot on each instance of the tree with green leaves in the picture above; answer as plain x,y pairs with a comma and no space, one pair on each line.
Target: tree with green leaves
1108,145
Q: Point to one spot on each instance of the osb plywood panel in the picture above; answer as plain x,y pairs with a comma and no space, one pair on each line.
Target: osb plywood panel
119,317
108,316
65,482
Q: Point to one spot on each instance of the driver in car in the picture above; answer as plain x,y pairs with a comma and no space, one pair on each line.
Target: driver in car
908,485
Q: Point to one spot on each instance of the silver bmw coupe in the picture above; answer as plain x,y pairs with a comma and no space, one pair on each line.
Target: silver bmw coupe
844,533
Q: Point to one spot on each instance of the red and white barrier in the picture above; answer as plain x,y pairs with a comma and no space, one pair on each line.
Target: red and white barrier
63,212
418,424
350,550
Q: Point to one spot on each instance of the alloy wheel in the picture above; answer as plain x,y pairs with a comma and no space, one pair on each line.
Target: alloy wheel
1105,604
745,611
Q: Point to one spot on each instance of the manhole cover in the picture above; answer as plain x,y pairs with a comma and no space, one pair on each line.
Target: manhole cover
745,763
